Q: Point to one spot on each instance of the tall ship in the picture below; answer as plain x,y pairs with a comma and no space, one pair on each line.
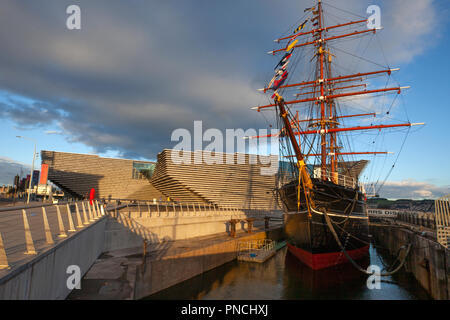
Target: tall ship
319,188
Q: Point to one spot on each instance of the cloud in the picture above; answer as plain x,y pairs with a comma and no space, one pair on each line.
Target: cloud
9,168
412,189
133,74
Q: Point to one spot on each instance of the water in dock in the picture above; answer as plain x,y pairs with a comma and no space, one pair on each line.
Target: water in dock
284,277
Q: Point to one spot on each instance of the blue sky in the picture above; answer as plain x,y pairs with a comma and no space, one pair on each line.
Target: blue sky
133,74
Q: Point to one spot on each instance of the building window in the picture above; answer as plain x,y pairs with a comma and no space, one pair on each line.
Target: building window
142,170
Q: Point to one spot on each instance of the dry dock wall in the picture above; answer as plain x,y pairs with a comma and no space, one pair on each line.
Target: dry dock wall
428,261
156,275
45,277
130,229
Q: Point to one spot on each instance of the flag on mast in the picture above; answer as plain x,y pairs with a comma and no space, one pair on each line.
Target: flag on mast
300,27
283,60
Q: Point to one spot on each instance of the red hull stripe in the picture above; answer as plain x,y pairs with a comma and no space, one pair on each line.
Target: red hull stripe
324,260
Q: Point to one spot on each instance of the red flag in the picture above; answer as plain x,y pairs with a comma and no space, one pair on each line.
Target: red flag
91,196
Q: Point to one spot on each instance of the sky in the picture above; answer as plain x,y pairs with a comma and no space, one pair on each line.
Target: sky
138,70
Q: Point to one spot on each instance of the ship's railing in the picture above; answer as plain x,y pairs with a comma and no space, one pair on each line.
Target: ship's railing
442,211
337,178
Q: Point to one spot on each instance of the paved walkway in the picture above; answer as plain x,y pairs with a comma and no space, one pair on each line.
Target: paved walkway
13,232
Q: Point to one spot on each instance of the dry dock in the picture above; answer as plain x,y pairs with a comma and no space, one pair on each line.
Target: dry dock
127,274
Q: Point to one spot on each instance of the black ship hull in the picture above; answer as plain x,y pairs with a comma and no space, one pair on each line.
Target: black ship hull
309,237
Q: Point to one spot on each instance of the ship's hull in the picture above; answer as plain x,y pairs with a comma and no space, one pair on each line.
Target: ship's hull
309,237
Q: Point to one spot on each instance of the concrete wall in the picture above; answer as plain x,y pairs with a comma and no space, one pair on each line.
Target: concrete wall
45,276
428,261
129,230
157,275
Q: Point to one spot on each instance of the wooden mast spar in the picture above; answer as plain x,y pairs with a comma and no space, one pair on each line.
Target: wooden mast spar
327,124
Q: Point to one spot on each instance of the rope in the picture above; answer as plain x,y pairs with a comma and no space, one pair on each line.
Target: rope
336,237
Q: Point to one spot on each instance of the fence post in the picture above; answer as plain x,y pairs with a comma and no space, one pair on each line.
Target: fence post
91,216
84,213
80,223
91,206
28,238
48,233
3,259
99,213
95,211
69,215
62,232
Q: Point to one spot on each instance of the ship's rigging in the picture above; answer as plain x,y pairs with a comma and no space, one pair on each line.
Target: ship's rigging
319,132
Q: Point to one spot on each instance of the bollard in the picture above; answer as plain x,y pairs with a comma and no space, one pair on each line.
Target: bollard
149,212
80,223
139,209
233,227
3,259
28,238
167,209
69,216
62,232
174,209
157,209
250,225
48,233
86,221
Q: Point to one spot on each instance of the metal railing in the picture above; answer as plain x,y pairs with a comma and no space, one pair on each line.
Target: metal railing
42,226
149,209
442,209
253,247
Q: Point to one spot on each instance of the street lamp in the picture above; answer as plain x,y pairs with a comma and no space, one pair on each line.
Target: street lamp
32,166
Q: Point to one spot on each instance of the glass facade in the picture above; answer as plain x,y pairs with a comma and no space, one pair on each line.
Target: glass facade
143,170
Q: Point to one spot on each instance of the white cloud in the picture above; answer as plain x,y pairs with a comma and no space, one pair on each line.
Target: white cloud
412,189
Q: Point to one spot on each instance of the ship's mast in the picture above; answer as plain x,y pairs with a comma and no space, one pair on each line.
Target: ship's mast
323,137
326,124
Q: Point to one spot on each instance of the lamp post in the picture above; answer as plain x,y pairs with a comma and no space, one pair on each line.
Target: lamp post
32,166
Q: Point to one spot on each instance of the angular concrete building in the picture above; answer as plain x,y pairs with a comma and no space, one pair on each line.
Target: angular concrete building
77,173
229,180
